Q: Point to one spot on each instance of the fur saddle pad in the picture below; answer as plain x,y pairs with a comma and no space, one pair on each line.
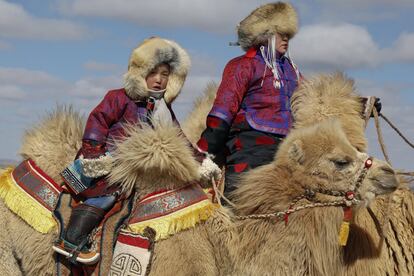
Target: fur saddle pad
31,194
172,211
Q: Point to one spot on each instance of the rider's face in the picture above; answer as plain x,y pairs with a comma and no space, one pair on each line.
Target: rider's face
157,79
282,43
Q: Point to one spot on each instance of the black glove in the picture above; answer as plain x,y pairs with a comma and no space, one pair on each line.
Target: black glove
377,106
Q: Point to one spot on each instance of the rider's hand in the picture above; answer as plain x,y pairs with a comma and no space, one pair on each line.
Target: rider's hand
377,106
208,170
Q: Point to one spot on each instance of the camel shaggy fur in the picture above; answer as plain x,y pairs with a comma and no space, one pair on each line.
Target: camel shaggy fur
309,158
141,162
153,159
382,234
52,144
385,246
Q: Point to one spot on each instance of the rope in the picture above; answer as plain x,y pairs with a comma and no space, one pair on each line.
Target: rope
281,214
371,110
219,194
310,195
380,137
397,130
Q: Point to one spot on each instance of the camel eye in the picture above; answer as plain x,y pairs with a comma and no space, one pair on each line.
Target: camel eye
341,163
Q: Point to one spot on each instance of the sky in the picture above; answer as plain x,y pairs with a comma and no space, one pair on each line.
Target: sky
74,51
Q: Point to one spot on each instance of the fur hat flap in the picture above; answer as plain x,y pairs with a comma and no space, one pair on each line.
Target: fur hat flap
149,54
264,22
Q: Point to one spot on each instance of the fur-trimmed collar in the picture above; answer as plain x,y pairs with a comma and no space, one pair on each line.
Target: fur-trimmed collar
150,53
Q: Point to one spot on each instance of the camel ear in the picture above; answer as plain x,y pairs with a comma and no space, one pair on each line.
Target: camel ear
296,152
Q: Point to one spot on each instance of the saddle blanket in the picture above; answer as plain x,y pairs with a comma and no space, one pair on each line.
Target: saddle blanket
132,255
169,212
31,194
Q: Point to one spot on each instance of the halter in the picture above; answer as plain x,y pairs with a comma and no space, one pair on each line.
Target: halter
349,198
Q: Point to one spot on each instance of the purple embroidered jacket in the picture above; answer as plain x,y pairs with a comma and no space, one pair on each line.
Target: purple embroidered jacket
106,121
241,95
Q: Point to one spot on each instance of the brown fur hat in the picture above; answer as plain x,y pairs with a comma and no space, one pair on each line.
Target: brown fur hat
264,22
149,54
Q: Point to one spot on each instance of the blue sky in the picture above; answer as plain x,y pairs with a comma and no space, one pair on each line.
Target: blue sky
74,51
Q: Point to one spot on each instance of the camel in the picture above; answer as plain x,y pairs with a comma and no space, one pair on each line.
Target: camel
386,247
316,157
382,249
53,143
160,158
222,247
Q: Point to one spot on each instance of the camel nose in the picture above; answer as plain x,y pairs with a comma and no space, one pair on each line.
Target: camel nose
388,179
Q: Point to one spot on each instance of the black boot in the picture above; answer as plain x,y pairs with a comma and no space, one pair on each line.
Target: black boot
83,220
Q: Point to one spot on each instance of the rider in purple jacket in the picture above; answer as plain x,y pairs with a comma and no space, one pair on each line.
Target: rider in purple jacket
251,113
156,73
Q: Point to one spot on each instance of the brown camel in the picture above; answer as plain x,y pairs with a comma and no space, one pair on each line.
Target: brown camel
317,157
386,247
181,253
52,145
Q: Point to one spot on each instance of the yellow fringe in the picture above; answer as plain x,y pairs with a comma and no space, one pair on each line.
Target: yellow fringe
171,224
344,233
37,216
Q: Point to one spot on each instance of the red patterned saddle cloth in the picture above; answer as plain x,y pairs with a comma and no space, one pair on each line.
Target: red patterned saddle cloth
31,194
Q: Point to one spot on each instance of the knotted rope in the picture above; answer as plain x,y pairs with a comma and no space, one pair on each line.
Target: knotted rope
349,198
371,110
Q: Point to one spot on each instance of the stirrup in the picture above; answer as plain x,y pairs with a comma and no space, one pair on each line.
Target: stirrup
73,253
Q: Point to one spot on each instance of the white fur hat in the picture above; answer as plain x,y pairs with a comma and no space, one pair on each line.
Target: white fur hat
149,54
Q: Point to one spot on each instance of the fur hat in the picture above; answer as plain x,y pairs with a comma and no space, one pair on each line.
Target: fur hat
264,22
149,54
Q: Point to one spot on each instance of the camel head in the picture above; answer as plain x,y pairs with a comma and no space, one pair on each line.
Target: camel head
151,159
321,157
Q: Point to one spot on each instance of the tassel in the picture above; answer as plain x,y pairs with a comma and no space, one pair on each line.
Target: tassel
24,206
344,230
344,233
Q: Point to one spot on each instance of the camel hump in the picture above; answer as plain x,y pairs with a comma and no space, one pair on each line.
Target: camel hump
53,142
330,96
195,123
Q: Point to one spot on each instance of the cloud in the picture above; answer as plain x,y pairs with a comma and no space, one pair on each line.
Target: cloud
323,47
357,10
214,16
29,78
335,47
397,108
16,22
368,3
403,49
4,45
12,93
91,88
100,66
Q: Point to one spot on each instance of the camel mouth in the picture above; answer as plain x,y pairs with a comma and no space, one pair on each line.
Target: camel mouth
385,185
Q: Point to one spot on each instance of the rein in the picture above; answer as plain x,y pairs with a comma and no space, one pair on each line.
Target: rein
349,199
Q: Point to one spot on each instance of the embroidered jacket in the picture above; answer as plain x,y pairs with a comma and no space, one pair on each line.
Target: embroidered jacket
247,99
107,120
